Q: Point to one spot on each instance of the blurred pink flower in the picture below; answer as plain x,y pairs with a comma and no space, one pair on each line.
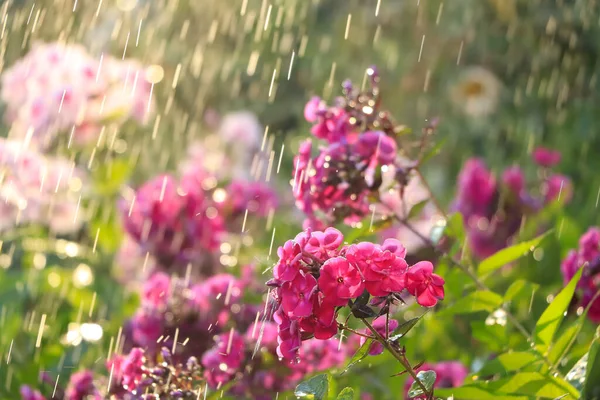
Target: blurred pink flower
546,157
60,88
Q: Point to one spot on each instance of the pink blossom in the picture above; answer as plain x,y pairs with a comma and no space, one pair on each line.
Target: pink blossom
241,128
513,179
156,290
322,323
376,147
312,108
288,266
132,369
324,245
476,188
27,393
147,327
255,197
422,283
172,220
340,281
60,88
449,374
225,359
383,271
81,387
394,246
558,187
587,256
545,157
296,295
288,338
264,331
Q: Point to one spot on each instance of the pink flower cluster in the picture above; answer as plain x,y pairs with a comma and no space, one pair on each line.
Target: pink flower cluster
315,275
337,183
231,339
59,88
587,256
493,209
173,219
81,386
35,189
182,220
449,374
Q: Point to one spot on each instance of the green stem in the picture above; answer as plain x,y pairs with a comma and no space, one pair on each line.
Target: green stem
401,358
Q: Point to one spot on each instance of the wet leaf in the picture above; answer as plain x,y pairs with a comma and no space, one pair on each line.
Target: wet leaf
509,254
346,394
548,323
427,378
315,388
483,300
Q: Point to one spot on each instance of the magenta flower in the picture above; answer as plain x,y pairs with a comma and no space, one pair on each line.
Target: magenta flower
81,387
558,187
513,179
588,258
132,369
426,286
173,221
156,290
545,157
394,246
296,295
313,108
449,374
256,197
376,147
27,393
476,188
324,245
288,266
224,360
340,281
383,271
288,335
147,327
322,323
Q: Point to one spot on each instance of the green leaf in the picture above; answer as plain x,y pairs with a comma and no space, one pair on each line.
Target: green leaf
427,378
494,336
520,288
546,326
483,300
565,338
405,327
576,376
455,227
360,354
508,255
315,388
435,150
346,394
591,388
508,362
417,208
473,392
534,384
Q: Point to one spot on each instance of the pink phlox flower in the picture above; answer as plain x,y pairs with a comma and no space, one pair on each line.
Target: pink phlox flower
340,281
422,283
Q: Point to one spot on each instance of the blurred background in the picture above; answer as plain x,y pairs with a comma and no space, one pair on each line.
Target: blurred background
502,76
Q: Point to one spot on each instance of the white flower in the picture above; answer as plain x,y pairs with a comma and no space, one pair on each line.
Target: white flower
477,92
